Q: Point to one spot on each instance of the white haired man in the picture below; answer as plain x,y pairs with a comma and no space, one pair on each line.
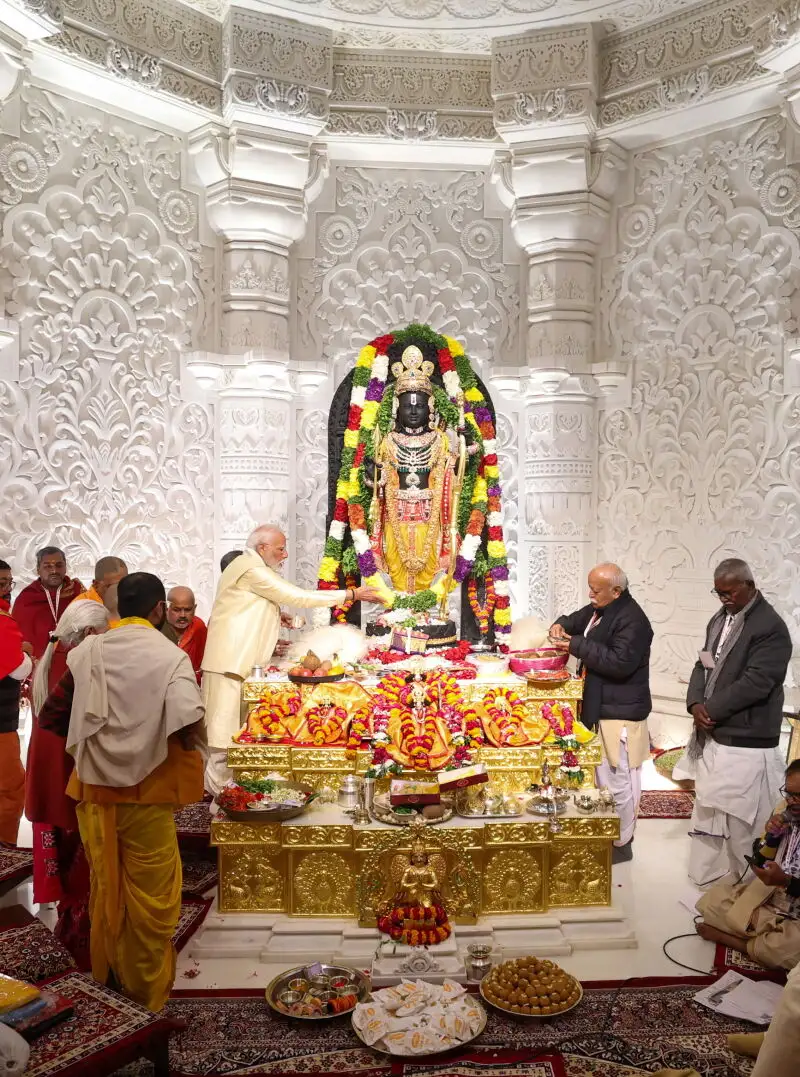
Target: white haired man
611,639
243,630
735,697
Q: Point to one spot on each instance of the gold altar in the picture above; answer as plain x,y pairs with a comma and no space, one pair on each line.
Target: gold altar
321,865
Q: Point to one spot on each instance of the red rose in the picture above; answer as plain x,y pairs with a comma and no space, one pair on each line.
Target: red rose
490,459
495,534
445,360
382,344
340,512
354,417
359,457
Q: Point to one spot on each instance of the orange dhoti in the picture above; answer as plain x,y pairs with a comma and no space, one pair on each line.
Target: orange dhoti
12,787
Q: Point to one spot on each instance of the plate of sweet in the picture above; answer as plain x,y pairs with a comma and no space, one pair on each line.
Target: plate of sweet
530,988
419,1018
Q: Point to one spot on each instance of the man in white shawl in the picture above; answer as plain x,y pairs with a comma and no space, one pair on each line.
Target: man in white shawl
735,697
243,630
131,711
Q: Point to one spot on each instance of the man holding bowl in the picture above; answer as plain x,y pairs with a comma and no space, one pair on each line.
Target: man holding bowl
611,639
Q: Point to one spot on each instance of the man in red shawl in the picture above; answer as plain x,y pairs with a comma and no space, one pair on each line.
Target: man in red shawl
40,605
188,630
15,666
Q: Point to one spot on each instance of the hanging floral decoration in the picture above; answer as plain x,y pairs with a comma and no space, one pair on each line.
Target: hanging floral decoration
392,702
561,720
479,515
482,612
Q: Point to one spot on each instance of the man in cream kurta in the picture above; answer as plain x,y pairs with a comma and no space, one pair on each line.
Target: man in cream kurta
242,632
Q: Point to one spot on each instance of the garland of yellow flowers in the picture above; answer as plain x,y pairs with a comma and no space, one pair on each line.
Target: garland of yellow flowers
482,612
505,716
272,715
319,718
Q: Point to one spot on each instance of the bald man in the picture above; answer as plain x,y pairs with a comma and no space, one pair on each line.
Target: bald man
190,631
242,633
107,571
611,639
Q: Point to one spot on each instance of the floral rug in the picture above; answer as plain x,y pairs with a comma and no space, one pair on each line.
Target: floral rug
726,960
666,804
193,824
193,912
16,865
640,1025
199,872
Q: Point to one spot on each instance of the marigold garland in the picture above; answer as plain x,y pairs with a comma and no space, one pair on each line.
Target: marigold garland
415,925
482,612
507,710
319,718
479,507
270,715
563,727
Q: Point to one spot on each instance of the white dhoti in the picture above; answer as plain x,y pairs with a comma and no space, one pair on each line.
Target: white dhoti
626,745
736,790
222,698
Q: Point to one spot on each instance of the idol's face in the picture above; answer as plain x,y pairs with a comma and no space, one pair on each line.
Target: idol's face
52,570
413,411
733,594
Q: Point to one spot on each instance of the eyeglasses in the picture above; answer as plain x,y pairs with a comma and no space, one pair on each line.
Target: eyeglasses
788,795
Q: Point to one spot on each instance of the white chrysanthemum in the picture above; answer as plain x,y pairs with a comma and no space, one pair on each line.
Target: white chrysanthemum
495,519
358,395
337,530
360,540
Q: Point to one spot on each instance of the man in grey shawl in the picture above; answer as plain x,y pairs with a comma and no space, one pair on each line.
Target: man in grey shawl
735,697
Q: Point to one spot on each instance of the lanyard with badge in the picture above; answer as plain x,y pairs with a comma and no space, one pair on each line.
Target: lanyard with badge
54,606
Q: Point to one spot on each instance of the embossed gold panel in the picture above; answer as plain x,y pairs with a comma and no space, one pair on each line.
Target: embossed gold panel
579,874
322,883
513,880
251,880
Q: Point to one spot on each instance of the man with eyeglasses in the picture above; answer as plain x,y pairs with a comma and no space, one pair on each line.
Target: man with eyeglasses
760,917
735,698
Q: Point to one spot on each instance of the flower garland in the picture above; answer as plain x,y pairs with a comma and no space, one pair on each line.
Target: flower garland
416,925
340,612
321,718
269,718
507,709
563,727
479,507
482,612
392,700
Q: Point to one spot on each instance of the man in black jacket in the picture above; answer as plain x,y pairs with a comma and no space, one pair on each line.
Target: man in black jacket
611,639
735,697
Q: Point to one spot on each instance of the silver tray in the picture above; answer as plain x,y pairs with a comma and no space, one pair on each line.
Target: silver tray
444,1051
545,810
281,983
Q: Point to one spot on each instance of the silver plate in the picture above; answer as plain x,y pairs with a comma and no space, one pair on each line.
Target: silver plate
281,983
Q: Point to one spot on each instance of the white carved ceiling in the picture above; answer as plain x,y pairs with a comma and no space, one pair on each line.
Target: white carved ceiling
439,24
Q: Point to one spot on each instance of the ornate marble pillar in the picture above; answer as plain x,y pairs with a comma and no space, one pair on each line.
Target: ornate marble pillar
258,172
556,179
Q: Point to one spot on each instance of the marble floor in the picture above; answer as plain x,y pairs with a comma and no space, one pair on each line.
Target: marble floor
649,890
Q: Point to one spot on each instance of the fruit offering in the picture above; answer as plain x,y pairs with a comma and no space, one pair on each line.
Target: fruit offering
531,987
311,666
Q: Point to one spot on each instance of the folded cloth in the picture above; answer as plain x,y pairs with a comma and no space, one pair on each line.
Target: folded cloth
14,1052
746,1043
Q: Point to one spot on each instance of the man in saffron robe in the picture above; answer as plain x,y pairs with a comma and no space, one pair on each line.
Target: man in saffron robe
15,666
190,631
132,712
108,570
40,605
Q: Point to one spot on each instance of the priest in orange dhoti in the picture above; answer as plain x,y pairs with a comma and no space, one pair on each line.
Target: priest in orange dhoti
131,708
242,632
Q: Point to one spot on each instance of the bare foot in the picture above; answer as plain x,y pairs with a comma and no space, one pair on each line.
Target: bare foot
713,934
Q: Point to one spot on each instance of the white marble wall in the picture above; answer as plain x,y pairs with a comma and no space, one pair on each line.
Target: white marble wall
701,290
105,281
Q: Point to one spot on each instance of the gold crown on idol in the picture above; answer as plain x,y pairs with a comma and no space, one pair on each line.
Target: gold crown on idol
413,373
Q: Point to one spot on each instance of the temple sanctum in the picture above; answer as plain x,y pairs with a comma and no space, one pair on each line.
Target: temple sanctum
460,299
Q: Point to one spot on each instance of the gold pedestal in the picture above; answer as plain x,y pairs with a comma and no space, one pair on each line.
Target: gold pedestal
334,869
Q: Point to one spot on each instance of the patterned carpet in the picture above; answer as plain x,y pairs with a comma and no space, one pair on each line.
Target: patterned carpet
726,959
199,872
639,1026
666,804
15,867
193,824
193,912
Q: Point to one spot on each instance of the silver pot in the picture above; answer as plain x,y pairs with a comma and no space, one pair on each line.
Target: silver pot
480,960
349,792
